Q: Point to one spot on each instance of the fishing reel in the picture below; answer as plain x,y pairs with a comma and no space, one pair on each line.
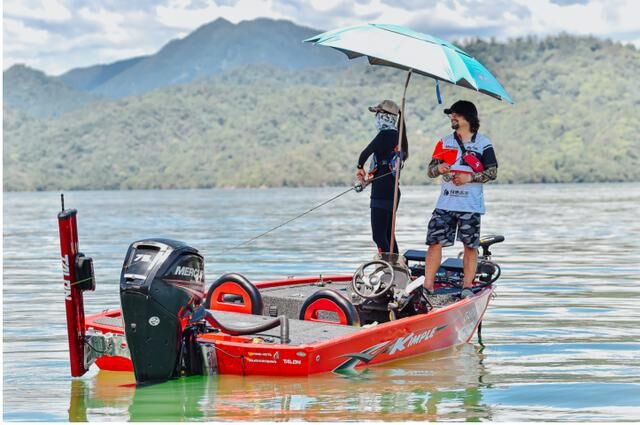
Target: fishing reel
360,186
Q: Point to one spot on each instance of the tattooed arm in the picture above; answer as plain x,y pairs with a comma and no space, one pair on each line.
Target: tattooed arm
485,176
432,170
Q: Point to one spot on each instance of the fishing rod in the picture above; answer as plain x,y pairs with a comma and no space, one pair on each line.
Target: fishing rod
359,187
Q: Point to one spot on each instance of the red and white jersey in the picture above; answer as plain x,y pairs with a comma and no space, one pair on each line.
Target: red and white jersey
468,197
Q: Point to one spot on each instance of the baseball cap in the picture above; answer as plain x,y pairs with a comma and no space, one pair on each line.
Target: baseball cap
464,108
386,105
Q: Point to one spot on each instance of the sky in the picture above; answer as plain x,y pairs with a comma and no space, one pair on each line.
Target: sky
57,35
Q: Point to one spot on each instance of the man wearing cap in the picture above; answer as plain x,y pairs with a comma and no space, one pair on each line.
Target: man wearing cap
383,148
466,160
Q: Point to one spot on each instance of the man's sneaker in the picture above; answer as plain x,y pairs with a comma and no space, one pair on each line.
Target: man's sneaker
466,293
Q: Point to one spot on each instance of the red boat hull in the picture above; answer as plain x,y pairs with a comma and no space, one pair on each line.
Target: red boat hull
440,328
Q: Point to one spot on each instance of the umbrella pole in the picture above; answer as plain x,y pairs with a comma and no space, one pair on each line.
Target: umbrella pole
399,161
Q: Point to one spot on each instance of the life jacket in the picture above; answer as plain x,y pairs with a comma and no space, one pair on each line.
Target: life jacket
385,164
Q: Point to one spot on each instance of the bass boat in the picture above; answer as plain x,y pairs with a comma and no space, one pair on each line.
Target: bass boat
171,324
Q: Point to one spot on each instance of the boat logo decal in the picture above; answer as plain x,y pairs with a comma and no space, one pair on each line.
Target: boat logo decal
262,357
413,338
154,320
197,274
65,265
365,356
252,360
263,354
145,258
390,347
67,278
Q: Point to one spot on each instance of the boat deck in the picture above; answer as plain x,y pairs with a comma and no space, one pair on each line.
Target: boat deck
301,332
288,299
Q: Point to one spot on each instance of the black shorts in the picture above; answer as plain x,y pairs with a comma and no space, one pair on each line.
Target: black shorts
443,224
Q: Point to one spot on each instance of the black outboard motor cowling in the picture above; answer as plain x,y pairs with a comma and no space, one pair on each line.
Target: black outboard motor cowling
162,282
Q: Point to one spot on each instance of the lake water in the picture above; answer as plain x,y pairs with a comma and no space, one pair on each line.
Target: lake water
562,338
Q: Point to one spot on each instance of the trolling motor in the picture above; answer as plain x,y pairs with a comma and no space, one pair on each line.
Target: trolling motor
78,277
161,284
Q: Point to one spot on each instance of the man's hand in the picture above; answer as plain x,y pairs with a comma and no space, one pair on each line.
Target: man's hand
360,174
461,178
444,168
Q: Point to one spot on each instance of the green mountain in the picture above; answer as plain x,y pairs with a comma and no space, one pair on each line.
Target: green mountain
213,48
32,91
92,77
269,126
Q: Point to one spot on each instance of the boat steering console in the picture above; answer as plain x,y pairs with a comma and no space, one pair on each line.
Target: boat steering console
373,279
383,289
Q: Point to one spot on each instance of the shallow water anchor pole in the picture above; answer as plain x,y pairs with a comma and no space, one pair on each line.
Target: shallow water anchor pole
399,161
74,303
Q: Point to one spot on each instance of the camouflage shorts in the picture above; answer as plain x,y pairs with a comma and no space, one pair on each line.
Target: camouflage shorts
443,224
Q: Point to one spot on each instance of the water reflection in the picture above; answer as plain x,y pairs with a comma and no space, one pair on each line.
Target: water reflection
446,385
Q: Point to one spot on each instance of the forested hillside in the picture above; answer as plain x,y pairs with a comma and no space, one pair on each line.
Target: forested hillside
40,95
574,120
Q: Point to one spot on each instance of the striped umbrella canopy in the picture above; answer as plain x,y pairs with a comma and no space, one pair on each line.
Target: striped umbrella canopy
403,48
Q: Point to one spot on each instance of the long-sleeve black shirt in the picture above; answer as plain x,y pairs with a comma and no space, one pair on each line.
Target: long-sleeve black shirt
382,146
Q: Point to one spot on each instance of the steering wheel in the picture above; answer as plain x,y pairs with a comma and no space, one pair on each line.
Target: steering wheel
373,279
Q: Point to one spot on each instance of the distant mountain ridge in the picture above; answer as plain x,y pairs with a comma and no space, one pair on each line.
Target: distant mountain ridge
209,50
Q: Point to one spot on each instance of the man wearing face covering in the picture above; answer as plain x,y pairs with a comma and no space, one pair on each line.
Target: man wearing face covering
384,148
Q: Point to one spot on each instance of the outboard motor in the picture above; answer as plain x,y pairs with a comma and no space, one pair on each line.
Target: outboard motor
161,283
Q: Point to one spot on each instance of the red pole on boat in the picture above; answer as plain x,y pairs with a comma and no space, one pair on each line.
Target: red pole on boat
72,294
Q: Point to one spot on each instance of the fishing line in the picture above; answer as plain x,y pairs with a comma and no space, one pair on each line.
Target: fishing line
77,282
358,188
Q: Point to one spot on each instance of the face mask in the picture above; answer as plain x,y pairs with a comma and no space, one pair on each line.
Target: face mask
385,121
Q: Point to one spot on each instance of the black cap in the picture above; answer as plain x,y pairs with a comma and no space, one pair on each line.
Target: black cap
464,108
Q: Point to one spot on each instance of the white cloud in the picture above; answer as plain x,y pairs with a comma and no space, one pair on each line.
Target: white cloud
178,14
635,41
596,17
325,5
56,35
114,27
46,10
18,36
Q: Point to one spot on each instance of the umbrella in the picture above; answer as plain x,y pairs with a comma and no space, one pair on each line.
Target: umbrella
403,48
